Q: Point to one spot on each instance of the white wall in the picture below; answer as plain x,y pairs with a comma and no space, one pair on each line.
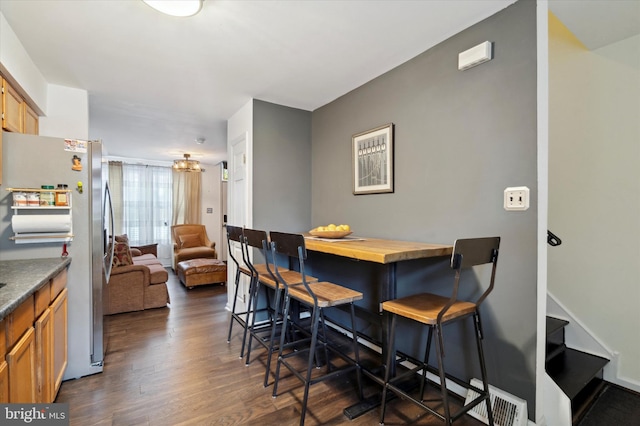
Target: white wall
66,109
211,190
238,126
18,67
594,190
68,115
241,123
542,83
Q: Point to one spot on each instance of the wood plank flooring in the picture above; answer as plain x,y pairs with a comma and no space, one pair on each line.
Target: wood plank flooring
173,366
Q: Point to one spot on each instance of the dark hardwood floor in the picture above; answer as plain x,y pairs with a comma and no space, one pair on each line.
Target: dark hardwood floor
173,366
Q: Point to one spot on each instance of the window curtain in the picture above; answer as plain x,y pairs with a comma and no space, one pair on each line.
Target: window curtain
187,187
147,194
115,187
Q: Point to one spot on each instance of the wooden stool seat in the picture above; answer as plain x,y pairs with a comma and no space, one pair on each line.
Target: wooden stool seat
328,294
260,267
425,308
292,278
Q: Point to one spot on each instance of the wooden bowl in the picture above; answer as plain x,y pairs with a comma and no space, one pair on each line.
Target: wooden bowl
330,234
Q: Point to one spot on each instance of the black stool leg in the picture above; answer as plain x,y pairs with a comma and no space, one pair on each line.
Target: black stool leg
233,308
272,338
312,350
443,381
425,363
483,369
283,332
324,342
252,286
253,300
387,368
356,352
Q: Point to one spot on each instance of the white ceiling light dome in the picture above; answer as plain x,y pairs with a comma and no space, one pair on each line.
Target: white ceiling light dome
181,8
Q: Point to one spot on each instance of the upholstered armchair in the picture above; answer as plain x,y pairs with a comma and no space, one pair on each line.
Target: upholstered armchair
191,242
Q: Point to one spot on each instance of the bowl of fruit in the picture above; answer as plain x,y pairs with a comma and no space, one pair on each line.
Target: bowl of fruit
331,231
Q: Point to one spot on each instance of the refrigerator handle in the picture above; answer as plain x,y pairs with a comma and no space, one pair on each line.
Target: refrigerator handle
109,263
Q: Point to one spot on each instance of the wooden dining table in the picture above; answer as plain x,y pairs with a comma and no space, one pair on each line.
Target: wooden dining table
377,250
380,252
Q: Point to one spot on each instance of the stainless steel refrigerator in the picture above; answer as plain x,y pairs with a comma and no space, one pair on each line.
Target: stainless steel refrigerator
30,162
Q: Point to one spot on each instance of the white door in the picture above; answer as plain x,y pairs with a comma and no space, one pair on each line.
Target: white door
238,215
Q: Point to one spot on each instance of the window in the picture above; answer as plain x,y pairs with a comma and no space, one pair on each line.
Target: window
147,205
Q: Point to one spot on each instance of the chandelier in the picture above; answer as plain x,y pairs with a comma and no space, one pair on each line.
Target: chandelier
187,165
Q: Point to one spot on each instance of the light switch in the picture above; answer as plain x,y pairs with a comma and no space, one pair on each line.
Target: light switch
516,198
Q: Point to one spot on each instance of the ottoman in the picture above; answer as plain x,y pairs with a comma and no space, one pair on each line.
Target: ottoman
201,271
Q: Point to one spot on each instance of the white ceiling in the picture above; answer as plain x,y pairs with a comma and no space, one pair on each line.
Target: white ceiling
157,83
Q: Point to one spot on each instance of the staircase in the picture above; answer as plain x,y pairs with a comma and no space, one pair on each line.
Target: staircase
577,373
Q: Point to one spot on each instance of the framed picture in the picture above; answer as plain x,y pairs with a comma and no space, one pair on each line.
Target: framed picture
373,161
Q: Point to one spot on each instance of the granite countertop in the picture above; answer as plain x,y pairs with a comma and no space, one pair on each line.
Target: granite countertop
23,277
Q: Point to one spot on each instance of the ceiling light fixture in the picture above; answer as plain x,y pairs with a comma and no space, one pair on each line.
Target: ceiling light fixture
181,8
187,165
200,141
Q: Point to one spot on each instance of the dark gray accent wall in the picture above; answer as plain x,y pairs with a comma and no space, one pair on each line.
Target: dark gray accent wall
461,138
281,167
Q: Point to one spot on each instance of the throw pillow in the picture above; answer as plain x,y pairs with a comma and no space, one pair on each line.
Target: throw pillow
122,238
190,240
121,255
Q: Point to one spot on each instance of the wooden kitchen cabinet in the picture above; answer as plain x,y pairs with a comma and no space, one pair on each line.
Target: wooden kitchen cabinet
33,345
44,358
4,382
19,321
60,337
21,361
4,369
12,111
21,358
31,120
17,115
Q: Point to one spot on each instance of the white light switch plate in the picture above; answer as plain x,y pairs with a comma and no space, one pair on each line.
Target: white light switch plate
516,198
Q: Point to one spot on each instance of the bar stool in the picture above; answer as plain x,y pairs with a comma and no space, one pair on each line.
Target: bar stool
266,333
317,296
436,311
253,238
234,233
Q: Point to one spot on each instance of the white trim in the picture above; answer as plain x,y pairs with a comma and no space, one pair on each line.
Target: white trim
542,42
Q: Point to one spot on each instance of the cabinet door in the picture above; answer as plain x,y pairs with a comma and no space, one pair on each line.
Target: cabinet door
44,358
59,318
30,120
11,108
22,369
4,382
